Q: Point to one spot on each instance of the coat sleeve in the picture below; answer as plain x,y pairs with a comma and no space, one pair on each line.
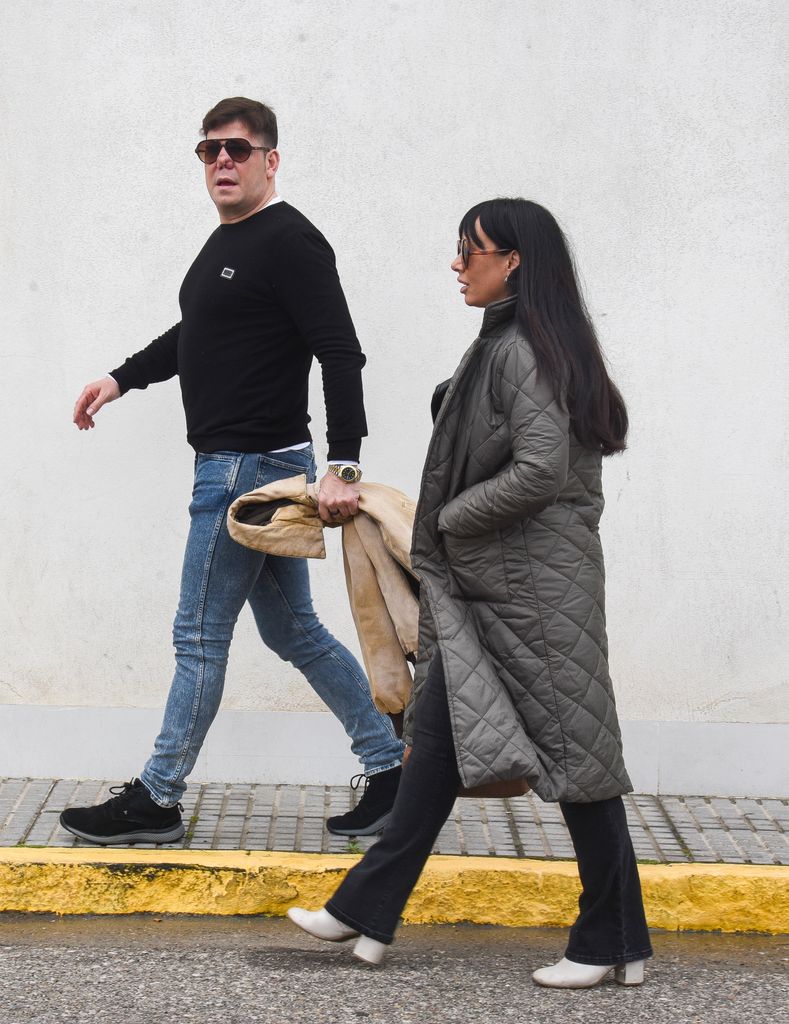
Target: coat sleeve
533,479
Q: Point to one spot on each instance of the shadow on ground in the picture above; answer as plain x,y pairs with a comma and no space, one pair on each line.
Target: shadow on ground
146,970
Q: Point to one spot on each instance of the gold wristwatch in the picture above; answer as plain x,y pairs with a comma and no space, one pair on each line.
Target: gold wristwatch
350,474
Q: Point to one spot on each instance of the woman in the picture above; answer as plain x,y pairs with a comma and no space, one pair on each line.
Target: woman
512,679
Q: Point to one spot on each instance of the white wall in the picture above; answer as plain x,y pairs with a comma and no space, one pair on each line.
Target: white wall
656,131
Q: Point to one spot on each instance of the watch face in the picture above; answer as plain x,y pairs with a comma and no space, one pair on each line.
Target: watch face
348,473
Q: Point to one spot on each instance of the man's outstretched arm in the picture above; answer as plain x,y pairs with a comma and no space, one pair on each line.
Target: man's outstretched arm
157,362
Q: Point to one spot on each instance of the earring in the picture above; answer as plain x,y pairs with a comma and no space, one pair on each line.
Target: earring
507,279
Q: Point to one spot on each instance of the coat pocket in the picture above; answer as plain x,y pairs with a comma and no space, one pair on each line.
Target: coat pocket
477,567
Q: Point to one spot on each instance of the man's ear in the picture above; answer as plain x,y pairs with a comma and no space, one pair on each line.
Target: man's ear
272,163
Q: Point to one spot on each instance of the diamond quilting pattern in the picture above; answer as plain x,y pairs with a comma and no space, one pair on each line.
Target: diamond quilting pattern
527,677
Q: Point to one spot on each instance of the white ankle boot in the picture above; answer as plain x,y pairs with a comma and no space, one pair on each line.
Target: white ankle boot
321,925
370,950
569,974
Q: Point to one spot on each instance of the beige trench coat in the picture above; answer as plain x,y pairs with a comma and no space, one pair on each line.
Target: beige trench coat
282,519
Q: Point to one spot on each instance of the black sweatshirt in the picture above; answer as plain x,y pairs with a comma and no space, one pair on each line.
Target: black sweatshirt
261,299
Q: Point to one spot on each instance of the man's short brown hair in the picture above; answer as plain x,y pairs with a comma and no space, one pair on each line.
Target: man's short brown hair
259,119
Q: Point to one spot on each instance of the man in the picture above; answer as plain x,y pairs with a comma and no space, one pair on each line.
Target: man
260,300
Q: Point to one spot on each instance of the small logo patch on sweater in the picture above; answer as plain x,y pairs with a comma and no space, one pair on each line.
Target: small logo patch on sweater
227,272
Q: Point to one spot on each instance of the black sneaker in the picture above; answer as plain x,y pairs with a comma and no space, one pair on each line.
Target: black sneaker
372,812
132,816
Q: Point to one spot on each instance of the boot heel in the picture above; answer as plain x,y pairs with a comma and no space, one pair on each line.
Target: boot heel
630,974
369,950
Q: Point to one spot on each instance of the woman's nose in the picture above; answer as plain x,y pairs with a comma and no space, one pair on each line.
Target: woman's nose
457,264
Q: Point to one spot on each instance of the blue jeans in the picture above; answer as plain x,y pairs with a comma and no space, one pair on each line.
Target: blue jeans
219,575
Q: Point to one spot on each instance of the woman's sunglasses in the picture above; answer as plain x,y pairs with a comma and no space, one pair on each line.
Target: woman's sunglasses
464,251
238,150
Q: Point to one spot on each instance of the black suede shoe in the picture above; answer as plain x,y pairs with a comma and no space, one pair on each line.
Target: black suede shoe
372,812
132,816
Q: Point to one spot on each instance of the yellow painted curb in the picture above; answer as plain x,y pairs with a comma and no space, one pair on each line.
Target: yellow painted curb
482,890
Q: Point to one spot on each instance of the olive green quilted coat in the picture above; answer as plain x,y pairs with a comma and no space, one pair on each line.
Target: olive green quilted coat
507,550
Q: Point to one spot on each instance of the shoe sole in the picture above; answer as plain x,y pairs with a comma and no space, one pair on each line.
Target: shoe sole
130,838
368,830
621,975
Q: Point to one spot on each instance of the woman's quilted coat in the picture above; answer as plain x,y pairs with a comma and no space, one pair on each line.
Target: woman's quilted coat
507,549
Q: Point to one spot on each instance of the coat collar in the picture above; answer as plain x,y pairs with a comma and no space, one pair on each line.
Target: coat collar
498,313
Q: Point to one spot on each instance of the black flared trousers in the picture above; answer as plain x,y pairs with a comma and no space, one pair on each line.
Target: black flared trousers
610,928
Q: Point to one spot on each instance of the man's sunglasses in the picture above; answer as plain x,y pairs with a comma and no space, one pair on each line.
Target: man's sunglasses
238,150
464,251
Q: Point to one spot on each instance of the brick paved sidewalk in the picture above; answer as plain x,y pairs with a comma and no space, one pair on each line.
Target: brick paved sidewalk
666,829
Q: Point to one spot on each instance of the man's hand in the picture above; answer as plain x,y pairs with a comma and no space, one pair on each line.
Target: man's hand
91,400
337,500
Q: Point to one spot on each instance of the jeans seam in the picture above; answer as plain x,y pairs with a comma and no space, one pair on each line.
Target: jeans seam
618,901
197,637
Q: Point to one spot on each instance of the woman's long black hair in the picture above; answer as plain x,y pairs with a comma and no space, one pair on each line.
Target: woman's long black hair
551,312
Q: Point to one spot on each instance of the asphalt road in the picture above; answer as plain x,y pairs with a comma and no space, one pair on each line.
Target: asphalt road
146,970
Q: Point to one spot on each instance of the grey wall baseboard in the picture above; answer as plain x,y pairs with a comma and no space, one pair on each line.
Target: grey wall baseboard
681,758
736,759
